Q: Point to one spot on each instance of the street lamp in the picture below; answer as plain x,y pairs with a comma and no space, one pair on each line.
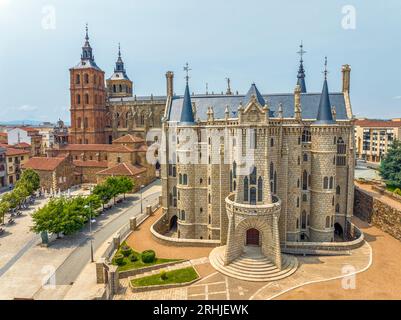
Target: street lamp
90,229
140,189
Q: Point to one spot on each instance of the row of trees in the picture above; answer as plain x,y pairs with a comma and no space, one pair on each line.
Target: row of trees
28,183
68,216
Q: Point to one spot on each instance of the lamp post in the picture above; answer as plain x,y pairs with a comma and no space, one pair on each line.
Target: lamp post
140,189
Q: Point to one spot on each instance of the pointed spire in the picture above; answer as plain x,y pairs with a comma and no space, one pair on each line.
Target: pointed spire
325,115
120,63
87,53
187,115
301,70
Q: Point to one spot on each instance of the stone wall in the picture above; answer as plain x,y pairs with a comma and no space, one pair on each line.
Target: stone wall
377,213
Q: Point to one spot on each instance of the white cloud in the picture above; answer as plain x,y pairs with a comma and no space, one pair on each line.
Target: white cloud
27,107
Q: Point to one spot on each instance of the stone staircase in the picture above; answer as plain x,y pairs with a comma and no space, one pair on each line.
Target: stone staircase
253,266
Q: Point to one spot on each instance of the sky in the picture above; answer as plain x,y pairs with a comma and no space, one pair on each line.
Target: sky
247,41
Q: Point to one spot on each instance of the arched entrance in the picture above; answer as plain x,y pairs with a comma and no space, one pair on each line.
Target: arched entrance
252,237
173,223
338,230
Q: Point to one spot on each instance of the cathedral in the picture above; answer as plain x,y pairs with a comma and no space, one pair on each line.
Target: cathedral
262,172
101,114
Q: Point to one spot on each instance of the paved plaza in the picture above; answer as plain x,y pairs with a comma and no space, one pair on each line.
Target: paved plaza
373,268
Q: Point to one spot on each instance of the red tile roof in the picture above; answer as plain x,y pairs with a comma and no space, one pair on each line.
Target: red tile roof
378,123
91,163
22,145
43,163
3,134
97,147
15,152
129,138
123,169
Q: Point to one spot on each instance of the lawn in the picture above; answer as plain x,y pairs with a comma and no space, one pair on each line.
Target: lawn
129,265
173,277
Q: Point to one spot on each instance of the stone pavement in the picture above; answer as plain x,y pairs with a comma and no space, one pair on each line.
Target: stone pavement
216,286
381,281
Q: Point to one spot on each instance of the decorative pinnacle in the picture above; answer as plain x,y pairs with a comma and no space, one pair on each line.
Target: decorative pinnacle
119,50
228,86
86,29
325,72
187,69
301,52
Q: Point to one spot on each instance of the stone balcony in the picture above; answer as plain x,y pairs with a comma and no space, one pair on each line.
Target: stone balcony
250,210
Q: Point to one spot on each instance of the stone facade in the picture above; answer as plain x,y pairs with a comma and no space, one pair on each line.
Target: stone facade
278,176
378,213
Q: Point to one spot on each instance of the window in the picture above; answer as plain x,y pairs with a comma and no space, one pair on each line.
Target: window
185,179
231,181
271,142
275,182
260,189
234,169
305,180
331,182
209,199
246,189
304,198
86,98
253,176
306,136
78,99
305,157
118,159
86,122
210,219
86,77
201,210
78,79
297,223
299,160
182,215
327,222
200,181
297,202
325,183
271,170
337,208
180,178
79,124
303,220
338,190
341,152
298,184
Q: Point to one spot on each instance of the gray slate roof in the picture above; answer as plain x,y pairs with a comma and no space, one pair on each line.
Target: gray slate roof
309,101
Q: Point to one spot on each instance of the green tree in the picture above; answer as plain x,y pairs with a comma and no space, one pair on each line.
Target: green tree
12,198
112,183
390,167
103,192
30,179
4,207
126,185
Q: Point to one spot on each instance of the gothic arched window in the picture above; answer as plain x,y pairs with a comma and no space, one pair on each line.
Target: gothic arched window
260,189
185,179
246,189
303,220
78,99
253,176
338,190
305,180
234,170
271,170
325,183
331,183
305,157
86,98
86,78
78,79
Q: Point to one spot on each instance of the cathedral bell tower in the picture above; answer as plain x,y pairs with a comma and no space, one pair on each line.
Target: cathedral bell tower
88,99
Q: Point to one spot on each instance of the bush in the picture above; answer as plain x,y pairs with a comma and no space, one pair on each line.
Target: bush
397,191
126,251
134,258
148,256
119,259
163,275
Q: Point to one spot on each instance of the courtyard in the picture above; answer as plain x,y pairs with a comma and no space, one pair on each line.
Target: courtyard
369,272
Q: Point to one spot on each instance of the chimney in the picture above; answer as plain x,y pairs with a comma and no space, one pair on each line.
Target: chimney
170,83
346,70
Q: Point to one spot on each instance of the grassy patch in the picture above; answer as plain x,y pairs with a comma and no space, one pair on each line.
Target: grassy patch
129,264
172,277
391,188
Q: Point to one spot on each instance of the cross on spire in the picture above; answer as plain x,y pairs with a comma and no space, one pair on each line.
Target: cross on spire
301,52
86,29
325,72
187,69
